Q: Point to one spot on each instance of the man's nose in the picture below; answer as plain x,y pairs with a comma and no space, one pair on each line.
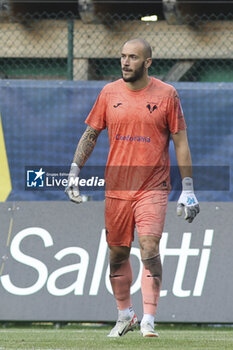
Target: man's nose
126,61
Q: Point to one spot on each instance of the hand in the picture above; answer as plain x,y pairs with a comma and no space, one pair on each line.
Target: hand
188,201
72,189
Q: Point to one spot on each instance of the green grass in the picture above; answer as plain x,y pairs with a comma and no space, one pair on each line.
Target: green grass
95,337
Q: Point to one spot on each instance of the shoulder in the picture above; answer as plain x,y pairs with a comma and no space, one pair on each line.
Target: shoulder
113,86
164,89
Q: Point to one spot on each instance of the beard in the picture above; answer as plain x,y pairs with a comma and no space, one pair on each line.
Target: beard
137,74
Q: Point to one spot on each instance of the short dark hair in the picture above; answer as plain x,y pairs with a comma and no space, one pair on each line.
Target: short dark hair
146,45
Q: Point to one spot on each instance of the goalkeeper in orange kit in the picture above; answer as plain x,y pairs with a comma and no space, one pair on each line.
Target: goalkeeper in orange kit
140,113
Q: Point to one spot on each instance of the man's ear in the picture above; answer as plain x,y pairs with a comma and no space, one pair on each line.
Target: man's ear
148,62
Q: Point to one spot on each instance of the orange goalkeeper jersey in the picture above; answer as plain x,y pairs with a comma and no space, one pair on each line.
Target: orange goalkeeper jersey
139,125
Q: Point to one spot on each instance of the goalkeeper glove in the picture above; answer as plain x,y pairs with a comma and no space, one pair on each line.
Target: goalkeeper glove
187,201
72,189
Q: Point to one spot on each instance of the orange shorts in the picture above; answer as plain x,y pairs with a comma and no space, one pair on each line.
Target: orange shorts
146,213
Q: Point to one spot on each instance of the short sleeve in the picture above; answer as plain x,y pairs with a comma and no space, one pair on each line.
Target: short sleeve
175,116
97,116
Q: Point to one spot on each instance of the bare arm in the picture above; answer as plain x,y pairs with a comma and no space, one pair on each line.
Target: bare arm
183,154
85,146
187,199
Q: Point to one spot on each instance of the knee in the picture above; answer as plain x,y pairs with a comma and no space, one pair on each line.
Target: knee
149,246
118,255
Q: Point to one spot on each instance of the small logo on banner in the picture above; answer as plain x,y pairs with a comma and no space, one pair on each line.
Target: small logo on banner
35,178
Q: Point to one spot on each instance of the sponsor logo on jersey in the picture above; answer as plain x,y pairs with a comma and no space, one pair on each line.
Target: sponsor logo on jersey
131,138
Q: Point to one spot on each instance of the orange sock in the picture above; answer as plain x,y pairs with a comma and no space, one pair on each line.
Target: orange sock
121,281
151,284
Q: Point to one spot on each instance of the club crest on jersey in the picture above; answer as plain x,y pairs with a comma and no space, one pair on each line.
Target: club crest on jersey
152,107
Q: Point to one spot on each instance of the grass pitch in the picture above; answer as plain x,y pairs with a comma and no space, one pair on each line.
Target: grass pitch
79,337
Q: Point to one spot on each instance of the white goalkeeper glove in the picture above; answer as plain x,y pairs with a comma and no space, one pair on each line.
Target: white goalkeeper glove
72,189
187,201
